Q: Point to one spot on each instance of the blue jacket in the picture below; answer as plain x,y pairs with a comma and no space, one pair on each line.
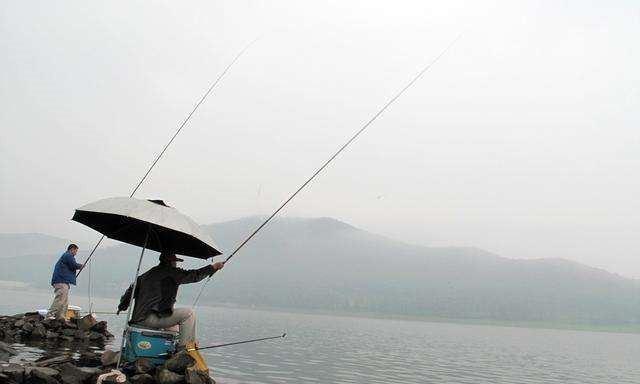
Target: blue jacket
65,269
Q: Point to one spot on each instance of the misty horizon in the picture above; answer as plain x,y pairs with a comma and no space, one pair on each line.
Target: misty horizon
88,242
521,141
453,185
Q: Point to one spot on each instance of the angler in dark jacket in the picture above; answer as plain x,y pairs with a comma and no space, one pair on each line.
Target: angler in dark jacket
64,275
156,292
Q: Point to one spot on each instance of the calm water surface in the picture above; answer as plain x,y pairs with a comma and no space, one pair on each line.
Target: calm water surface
332,349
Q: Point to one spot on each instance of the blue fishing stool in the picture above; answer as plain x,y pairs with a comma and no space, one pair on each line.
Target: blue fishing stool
153,344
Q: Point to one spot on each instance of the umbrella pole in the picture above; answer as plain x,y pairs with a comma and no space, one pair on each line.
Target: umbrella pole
125,333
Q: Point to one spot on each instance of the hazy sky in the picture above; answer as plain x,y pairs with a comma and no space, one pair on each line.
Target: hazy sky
524,140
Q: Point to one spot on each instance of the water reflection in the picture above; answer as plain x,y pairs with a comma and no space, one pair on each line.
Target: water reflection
360,350
84,353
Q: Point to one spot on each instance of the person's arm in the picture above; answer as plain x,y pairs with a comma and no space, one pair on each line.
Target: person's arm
71,262
125,299
194,275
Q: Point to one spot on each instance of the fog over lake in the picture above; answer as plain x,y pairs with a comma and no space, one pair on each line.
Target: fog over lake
522,140
483,229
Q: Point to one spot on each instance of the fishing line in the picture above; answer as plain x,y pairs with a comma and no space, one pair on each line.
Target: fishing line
238,342
177,132
89,288
326,163
233,343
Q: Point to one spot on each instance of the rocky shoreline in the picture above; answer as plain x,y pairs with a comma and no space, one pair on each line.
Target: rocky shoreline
33,326
84,360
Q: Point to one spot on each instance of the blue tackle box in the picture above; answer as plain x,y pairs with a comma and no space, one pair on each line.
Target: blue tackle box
153,344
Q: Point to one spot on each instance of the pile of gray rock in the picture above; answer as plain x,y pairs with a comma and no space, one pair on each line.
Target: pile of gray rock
82,366
179,369
33,326
56,370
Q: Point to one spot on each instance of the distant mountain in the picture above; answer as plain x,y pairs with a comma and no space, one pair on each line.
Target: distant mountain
325,264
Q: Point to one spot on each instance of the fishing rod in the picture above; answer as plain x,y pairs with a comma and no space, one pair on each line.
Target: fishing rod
234,343
177,132
103,312
328,161
238,342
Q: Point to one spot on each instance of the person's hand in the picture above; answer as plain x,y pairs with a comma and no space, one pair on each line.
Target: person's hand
218,265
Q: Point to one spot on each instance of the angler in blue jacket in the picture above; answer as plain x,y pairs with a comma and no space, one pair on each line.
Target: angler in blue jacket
64,274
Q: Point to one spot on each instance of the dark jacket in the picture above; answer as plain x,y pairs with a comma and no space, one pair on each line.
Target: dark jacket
157,288
65,269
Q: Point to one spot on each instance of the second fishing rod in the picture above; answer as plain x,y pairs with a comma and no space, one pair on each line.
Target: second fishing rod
173,137
332,158
233,343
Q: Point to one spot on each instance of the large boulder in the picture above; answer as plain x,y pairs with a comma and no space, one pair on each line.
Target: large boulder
87,322
6,351
28,370
39,331
69,325
89,359
81,335
33,317
6,379
53,324
97,337
28,327
52,335
109,358
195,376
9,333
100,327
70,374
165,376
143,378
142,366
47,362
13,371
40,375
179,362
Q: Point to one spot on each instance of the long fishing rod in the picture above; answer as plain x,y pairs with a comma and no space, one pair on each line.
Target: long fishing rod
238,342
103,312
326,163
235,343
177,132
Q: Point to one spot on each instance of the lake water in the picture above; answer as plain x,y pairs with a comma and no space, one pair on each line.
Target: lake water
332,349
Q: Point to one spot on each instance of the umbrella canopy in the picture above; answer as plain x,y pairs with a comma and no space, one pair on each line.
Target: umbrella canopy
132,220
